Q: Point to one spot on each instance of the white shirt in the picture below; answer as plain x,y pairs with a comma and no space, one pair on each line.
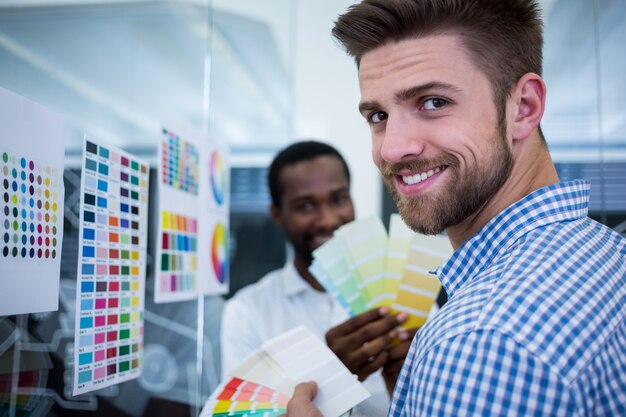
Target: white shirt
280,301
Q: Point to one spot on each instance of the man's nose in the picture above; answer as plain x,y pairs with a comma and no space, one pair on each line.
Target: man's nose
403,138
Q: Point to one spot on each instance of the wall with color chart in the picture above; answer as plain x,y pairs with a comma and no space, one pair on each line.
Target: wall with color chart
111,268
191,256
31,206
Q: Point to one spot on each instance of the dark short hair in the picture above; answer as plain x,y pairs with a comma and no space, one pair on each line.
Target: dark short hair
504,38
292,154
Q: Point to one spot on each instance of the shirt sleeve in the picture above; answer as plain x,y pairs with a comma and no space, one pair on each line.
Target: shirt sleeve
238,337
481,373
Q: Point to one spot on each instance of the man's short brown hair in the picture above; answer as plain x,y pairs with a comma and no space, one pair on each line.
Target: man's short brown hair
503,37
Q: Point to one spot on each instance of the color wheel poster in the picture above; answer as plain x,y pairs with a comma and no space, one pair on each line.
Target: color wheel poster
217,221
192,221
111,267
32,149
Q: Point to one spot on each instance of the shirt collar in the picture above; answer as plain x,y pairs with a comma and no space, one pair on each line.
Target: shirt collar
292,282
555,203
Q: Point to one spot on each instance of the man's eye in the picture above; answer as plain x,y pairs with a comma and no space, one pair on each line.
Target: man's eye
435,103
305,207
377,117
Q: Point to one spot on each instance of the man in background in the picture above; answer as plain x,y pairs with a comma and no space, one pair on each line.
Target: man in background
535,322
309,184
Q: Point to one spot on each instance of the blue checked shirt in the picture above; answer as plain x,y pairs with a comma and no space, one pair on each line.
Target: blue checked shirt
536,319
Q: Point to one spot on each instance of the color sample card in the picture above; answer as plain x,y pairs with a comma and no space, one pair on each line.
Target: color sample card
333,257
240,397
192,246
267,378
32,205
111,268
419,286
366,241
400,237
363,268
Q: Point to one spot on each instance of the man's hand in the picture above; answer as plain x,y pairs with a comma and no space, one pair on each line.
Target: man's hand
301,403
395,359
361,342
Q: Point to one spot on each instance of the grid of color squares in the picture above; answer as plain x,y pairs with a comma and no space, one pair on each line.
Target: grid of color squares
179,253
110,300
180,161
363,268
30,208
238,398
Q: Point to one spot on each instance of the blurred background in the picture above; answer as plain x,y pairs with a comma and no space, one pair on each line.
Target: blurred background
257,75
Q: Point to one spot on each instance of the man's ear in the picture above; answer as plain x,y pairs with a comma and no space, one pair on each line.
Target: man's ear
530,102
276,217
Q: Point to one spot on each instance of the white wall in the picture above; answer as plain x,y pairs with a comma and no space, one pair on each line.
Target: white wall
326,96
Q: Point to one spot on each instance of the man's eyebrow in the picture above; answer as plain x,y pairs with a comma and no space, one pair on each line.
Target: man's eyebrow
411,93
420,90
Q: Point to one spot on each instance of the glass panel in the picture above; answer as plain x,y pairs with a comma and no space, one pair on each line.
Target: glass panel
585,119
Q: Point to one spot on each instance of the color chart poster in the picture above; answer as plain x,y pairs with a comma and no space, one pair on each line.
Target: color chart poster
176,265
192,242
111,267
32,149
215,223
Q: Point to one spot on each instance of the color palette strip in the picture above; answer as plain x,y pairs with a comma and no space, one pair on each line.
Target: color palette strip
400,237
366,243
333,257
180,162
111,269
419,287
240,397
179,253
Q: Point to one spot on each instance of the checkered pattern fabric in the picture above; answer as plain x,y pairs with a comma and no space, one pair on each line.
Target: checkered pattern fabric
535,324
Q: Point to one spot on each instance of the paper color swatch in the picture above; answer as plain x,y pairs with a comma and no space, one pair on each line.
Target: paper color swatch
192,246
267,378
363,268
179,211
111,269
31,205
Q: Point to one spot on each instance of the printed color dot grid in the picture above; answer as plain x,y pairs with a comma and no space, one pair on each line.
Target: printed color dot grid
181,163
109,336
30,210
179,245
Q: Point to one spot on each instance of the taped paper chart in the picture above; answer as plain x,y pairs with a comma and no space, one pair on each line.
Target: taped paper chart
363,268
177,243
111,268
192,246
263,384
217,221
32,205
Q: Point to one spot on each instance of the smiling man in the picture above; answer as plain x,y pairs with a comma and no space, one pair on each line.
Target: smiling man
535,322
309,184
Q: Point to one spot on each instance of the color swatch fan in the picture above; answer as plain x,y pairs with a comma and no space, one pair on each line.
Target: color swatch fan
264,382
363,268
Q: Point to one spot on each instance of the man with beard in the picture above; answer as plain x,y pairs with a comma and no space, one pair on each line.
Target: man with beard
309,184
535,322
